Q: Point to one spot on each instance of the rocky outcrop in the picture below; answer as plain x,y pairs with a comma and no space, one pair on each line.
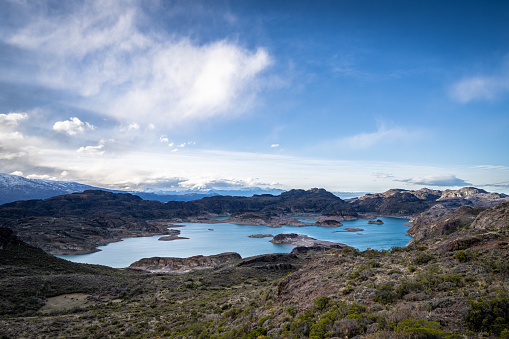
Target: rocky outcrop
459,241
474,196
302,240
272,258
376,222
398,202
183,265
349,229
437,227
494,218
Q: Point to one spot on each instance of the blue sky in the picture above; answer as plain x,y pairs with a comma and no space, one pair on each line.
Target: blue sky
345,95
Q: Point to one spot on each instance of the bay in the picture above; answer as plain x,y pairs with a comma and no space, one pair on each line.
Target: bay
209,239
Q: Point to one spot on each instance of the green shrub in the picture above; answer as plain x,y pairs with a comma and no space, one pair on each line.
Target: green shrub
408,286
385,293
422,258
489,314
462,256
349,319
421,328
322,303
396,249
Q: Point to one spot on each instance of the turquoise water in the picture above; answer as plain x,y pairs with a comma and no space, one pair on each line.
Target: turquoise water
234,238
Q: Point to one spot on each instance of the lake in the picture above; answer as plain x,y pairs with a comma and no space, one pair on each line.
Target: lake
208,239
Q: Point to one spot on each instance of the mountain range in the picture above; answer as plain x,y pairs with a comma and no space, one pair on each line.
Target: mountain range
14,188
79,222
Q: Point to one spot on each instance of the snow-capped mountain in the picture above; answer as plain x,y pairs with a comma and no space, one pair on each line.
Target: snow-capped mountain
13,188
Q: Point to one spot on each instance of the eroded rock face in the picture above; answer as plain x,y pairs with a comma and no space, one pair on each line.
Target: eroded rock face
398,202
183,265
446,224
461,242
496,217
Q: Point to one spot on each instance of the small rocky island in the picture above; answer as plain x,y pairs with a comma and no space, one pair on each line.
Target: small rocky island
349,229
261,236
174,235
303,240
376,222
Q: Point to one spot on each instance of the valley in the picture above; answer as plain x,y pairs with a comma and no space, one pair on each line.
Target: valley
450,281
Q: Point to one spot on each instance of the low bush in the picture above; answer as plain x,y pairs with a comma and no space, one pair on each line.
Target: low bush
384,294
423,258
489,314
462,256
421,328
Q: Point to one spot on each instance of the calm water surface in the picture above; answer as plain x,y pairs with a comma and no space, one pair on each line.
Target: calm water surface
234,238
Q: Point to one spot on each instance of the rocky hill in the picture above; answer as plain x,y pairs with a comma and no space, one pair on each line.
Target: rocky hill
79,222
398,202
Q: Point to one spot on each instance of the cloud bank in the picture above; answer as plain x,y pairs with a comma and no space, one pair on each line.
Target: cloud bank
105,53
437,180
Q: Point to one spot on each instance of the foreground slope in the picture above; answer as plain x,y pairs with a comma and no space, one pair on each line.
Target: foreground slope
444,286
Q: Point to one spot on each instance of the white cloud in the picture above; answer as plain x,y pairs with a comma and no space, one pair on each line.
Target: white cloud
215,183
9,155
13,144
383,175
437,180
41,176
479,88
101,50
382,135
163,138
274,145
18,173
133,126
11,119
93,150
72,126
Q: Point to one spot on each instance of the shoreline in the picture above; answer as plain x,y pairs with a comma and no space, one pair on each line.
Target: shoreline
202,220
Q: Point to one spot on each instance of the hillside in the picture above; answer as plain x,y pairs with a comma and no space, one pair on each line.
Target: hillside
447,285
79,222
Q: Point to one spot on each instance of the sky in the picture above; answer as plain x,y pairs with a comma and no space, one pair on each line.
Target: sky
350,96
